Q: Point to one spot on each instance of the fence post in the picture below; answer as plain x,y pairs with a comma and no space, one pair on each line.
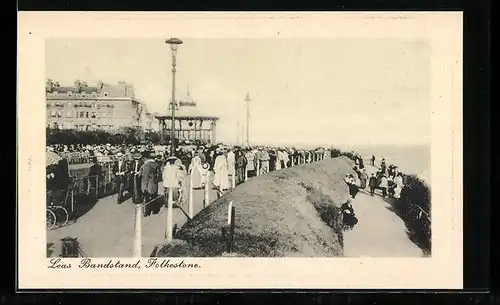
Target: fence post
73,198
190,199
138,231
170,215
207,190
246,173
231,230
88,186
97,186
233,175
229,210
257,168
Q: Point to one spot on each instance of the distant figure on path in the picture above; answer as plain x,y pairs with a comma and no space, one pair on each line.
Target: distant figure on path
372,183
363,178
383,166
361,164
373,160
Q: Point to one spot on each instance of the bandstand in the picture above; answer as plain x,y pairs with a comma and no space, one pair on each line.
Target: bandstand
190,123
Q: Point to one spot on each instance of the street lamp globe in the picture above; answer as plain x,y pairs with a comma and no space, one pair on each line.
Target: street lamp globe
174,44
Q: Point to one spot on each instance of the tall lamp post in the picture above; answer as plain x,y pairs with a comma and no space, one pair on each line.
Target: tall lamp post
174,44
248,100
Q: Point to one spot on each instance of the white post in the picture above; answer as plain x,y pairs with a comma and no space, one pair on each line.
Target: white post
72,199
170,215
257,169
207,190
246,173
229,210
233,174
138,231
190,204
291,161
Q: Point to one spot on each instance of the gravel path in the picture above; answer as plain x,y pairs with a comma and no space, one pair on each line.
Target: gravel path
379,232
107,230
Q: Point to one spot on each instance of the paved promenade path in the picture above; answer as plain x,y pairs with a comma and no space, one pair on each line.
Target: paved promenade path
107,230
379,232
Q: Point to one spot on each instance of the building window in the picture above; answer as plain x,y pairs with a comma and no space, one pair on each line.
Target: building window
53,114
59,114
82,114
87,114
83,94
94,93
105,94
55,93
70,93
93,115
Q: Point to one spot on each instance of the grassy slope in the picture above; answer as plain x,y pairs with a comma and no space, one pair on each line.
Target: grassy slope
291,212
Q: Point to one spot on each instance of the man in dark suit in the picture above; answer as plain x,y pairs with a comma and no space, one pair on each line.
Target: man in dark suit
136,165
95,173
120,168
149,174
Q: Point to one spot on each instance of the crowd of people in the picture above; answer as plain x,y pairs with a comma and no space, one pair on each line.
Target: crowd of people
140,168
387,179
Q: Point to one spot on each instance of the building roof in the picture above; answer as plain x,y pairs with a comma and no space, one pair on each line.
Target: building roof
120,89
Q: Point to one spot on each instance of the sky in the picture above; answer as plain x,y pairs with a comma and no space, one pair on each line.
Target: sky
304,91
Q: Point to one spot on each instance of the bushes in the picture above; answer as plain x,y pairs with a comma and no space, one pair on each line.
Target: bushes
126,135
414,208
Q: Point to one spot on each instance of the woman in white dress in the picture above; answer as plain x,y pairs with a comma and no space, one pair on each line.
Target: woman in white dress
221,179
195,170
399,185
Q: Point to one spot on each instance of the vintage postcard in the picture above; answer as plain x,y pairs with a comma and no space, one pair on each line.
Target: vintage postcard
240,150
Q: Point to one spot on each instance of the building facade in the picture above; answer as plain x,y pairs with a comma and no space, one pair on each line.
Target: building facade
101,107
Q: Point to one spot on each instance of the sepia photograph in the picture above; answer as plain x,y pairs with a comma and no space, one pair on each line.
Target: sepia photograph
252,148
219,155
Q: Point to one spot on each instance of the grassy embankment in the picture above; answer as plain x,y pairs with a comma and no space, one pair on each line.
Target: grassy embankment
291,212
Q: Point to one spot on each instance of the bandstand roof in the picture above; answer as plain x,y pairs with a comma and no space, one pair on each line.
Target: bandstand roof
187,111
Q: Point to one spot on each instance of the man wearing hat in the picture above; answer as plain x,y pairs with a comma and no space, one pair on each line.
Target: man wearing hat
149,174
119,169
137,163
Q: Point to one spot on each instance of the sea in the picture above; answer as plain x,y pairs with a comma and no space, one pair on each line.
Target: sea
410,159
